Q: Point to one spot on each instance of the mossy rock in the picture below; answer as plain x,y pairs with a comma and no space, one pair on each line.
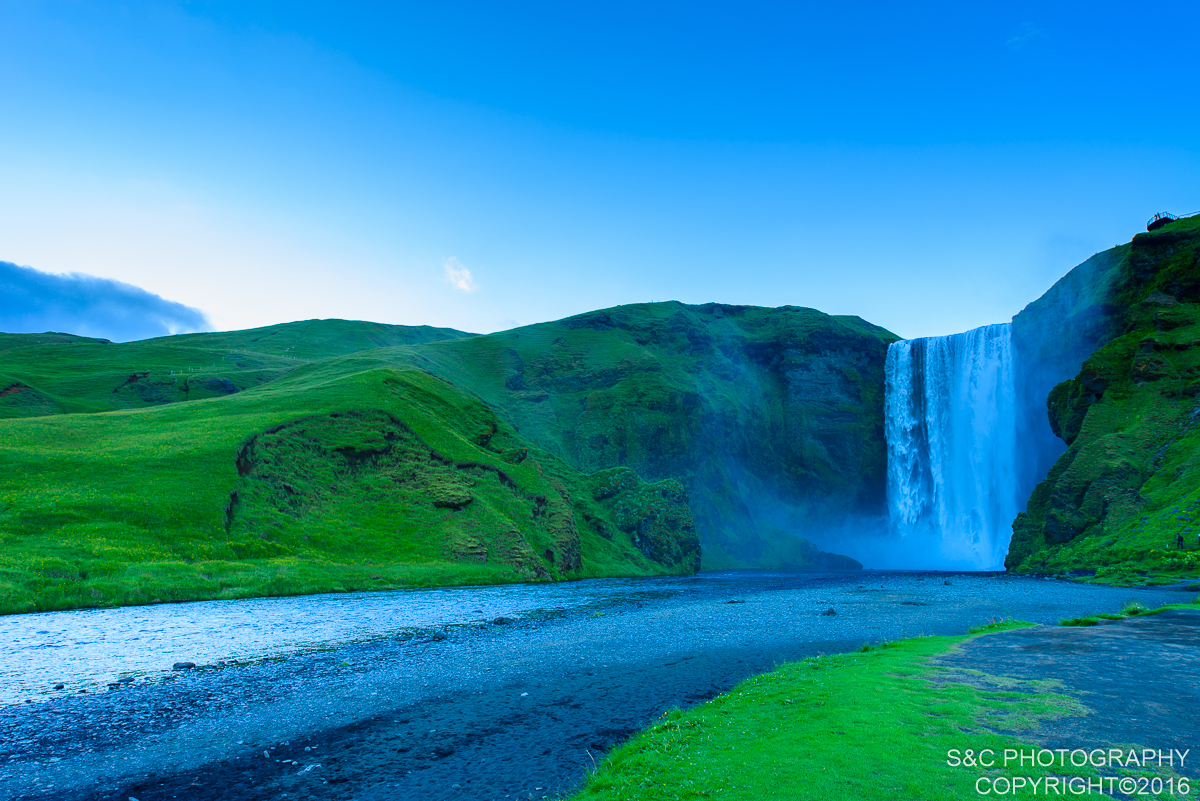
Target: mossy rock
449,495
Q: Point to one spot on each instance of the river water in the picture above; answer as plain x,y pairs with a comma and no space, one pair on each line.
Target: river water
87,649
419,694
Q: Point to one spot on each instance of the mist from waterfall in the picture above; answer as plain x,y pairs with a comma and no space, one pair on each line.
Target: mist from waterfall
951,426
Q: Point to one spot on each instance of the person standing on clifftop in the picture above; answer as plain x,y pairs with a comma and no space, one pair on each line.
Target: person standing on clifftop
1179,541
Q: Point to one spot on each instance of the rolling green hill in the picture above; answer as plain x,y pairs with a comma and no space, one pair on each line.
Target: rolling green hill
772,418
1129,482
59,373
369,479
314,339
301,457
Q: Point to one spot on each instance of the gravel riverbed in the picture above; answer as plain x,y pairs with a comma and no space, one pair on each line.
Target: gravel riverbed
520,708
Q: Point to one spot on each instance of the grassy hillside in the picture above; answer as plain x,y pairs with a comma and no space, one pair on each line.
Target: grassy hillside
316,339
772,418
347,477
1129,482
59,373
327,455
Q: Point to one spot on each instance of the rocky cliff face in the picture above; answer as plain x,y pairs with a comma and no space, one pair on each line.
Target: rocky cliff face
1051,339
1123,490
771,419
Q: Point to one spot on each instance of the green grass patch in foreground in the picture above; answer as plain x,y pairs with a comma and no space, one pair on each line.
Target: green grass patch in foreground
1144,574
873,724
1131,609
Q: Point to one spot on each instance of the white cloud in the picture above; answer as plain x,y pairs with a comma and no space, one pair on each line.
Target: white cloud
458,276
33,301
1026,35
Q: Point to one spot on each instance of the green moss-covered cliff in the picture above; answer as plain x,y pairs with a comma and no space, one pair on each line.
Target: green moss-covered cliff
771,418
1128,483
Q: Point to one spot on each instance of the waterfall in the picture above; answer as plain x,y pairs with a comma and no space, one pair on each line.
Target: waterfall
950,422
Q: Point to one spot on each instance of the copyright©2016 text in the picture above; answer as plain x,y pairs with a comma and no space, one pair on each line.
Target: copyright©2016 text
1079,758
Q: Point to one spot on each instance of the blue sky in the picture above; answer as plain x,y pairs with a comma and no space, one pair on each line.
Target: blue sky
483,166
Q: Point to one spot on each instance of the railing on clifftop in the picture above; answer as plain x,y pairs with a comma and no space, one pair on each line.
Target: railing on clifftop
1164,217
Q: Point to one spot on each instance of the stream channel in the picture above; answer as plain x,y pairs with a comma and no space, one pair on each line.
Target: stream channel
468,693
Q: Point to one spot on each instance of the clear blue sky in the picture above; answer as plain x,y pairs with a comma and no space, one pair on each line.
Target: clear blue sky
929,168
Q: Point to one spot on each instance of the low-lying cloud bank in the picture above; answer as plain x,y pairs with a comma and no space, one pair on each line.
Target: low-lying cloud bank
32,302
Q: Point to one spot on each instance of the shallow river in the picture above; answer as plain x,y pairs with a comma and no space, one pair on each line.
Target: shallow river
420,694
90,648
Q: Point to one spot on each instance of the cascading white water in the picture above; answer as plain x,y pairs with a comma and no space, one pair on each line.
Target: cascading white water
950,422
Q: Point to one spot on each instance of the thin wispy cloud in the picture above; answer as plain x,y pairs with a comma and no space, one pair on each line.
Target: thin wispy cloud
1027,35
458,276
32,302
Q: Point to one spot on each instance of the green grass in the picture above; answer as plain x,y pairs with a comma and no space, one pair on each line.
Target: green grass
44,374
1131,609
712,395
121,478
879,723
131,506
1129,485
309,340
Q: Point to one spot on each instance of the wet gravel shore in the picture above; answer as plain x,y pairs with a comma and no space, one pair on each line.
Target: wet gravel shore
1139,679
485,710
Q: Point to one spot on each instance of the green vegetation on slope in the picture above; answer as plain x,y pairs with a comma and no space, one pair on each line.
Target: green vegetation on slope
326,455
1129,484
347,477
881,723
316,339
771,418
59,373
